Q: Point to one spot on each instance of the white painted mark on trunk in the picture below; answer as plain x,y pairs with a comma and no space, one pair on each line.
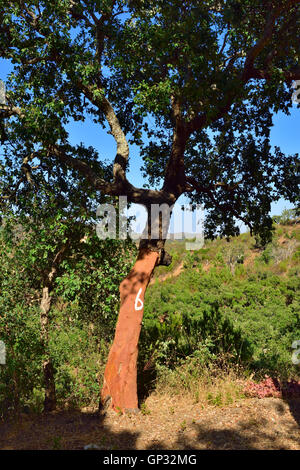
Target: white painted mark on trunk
138,305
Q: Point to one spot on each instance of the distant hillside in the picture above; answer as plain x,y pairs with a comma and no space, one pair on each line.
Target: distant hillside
229,299
239,250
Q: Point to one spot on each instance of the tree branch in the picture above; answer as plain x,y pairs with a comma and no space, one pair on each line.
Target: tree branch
289,76
265,38
116,188
102,103
249,70
8,111
175,173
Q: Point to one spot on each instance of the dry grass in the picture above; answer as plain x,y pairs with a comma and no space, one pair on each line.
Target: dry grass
203,385
190,409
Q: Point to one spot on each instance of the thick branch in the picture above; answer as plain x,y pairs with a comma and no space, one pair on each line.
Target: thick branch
249,71
102,103
121,159
288,76
26,168
262,42
50,276
116,188
8,111
100,30
175,174
265,38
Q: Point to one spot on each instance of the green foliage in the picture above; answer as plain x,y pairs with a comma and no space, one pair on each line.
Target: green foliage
176,326
287,216
218,69
210,75
81,324
250,315
48,241
200,320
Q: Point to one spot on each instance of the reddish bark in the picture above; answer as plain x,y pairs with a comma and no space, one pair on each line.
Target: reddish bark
120,376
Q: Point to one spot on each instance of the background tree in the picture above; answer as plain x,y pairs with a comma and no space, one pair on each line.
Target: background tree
49,229
209,73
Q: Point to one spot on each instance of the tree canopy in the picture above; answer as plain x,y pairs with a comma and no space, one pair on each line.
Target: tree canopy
209,74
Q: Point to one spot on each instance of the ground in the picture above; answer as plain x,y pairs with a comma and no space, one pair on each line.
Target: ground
163,423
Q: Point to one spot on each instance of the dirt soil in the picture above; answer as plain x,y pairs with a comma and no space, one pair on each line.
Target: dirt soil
164,423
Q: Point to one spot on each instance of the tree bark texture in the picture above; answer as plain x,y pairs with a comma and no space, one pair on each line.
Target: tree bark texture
120,376
48,370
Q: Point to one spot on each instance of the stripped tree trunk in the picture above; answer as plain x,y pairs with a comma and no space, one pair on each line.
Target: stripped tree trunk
120,377
48,370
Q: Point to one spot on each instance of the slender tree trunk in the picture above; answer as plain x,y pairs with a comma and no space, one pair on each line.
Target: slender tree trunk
48,370
16,385
120,377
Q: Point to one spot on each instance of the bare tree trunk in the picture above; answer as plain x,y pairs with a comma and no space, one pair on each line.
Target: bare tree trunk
48,370
120,377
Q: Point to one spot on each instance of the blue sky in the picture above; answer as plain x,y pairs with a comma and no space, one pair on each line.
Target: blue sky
285,134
